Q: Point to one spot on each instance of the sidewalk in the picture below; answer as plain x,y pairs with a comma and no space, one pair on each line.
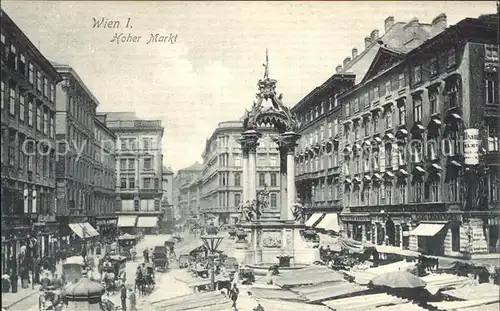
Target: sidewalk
11,299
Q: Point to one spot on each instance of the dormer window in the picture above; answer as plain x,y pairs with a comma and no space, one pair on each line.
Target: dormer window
451,57
433,66
402,80
417,74
388,89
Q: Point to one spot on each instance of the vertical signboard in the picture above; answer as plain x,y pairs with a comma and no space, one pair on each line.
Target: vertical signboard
471,146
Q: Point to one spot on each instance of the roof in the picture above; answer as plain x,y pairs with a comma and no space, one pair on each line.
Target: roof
194,167
10,26
167,170
67,69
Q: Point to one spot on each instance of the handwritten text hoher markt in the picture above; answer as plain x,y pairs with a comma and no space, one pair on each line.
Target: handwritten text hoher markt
122,37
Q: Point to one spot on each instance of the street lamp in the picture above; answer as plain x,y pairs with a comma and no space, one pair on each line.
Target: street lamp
212,242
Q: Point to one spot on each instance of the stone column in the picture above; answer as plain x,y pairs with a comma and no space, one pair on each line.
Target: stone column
252,142
137,163
244,177
289,141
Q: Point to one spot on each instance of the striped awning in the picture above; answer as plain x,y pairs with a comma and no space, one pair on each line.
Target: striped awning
313,219
84,230
330,223
126,221
147,222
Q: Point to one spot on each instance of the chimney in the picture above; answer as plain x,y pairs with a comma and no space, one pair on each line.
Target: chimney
374,35
368,41
354,53
338,68
389,22
346,61
439,24
413,22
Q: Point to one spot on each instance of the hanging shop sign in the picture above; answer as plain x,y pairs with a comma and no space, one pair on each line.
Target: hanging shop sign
437,217
471,146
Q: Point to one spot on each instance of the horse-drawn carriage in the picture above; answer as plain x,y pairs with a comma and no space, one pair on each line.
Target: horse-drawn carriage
160,258
170,245
126,246
145,281
50,297
183,261
112,271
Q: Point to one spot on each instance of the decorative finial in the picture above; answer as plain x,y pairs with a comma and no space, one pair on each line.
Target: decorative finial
266,66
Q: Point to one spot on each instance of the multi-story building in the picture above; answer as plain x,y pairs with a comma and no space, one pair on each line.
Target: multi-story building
138,170
166,201
78,160
167,185
28,150
406,183
223,167
188,183
104,177
319,157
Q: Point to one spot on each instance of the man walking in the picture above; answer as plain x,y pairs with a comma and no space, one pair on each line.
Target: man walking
124,297
234,295
132,300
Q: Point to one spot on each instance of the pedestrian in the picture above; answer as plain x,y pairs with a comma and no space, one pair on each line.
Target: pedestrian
124,297
145,253
234,295
132,300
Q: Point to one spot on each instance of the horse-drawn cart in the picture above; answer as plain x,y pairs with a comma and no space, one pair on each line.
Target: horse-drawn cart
112,271
126,246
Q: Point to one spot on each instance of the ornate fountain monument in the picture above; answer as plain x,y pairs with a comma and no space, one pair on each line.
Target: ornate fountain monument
271,241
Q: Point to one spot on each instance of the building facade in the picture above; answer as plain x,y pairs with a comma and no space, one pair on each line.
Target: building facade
104,177
222,190
319,157
167,185
188,183
79,151
28,149
406,181
138,170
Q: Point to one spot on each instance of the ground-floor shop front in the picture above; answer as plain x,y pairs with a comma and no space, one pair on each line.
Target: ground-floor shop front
138,224
106,225
460,235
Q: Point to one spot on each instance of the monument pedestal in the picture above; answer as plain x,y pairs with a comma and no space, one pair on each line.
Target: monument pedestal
273,239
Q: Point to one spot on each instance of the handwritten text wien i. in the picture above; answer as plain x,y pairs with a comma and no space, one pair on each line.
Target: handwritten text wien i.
123,37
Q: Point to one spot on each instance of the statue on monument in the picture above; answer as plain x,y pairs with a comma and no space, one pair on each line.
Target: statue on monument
298,212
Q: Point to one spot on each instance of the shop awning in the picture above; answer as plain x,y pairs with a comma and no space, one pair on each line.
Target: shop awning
313,219
147,222
364,302
330,223
427,229
90,230
84,230
126,221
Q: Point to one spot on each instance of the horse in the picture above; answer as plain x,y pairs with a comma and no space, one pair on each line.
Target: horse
108,278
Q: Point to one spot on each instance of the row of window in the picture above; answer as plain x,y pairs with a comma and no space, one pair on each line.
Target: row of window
21,153
16,61
27,109
80,169
147,183
389,193
82,112
105,179
134,144
393,155
130,163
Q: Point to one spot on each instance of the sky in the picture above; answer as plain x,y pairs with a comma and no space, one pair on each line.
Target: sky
209,74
